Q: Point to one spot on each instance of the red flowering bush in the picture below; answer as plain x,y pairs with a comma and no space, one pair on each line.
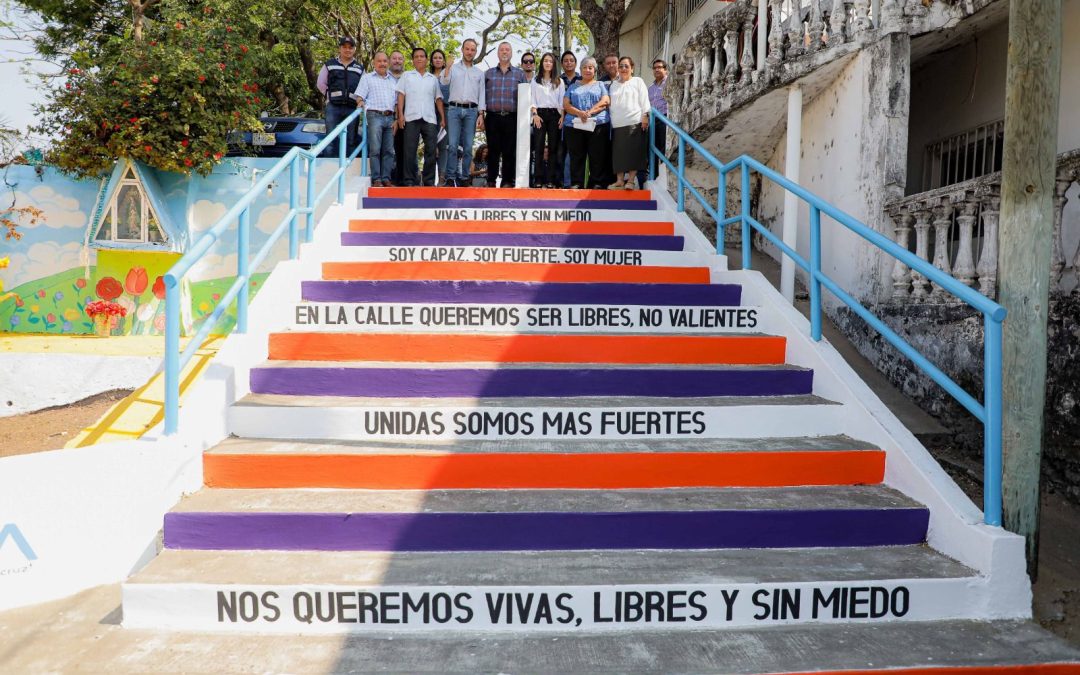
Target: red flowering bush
168,100
104,308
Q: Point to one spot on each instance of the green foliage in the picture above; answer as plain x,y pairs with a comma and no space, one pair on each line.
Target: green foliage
168,100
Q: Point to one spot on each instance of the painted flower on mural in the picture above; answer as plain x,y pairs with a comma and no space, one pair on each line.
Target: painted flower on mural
58,296
159,288
136,281
80,283
108,288
72,314
145,312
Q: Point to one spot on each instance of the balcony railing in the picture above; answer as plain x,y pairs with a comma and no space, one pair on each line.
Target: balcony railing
963,218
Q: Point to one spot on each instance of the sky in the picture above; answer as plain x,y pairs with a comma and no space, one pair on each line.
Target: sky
21,92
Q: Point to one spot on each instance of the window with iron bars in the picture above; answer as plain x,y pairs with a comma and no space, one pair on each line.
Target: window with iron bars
688,7
661,28
963,156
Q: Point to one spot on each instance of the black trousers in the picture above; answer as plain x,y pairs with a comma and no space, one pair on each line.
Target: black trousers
502,145
593,147
661,143
547,136
397,176
413,132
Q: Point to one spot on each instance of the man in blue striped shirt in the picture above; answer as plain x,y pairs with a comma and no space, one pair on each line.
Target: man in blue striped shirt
500,118
377,93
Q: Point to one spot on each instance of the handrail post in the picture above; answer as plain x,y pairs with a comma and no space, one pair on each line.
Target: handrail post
294,203
721,210
745,199
172,354
309,222
342,146
992,422
363,144
652,144
682,172
815,268
243,239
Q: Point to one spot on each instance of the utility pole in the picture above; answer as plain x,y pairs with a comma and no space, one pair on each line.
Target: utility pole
568,26
1028,173
555,31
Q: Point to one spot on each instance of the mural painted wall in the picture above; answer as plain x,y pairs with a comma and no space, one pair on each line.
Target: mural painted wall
54,270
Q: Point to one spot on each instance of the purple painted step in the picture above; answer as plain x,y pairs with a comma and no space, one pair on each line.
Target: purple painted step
609,241
508,203
545,531
560,382
524,293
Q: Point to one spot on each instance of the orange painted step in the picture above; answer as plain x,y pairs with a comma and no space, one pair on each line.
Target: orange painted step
637,349
450,471
506,193
666,228
534,272
1017,669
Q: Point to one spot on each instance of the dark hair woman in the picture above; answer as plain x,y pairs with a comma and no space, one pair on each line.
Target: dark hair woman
548,91
440,68
478,172
630,124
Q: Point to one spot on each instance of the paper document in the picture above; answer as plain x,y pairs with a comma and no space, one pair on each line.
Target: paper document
442,135
589,125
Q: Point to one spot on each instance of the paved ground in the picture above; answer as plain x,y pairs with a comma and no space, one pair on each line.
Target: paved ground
51,428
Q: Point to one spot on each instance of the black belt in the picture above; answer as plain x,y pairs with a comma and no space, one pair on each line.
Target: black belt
554,110
462,105
381,112
502,113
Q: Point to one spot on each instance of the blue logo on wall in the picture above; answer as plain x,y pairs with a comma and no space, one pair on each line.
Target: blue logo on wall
11,530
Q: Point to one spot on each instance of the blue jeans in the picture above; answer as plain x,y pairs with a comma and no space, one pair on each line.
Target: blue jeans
381,145
461,125
335,114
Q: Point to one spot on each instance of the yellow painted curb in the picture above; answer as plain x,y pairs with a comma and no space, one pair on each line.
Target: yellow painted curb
144,408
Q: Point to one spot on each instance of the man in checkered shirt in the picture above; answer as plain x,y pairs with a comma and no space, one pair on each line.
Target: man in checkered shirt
500,117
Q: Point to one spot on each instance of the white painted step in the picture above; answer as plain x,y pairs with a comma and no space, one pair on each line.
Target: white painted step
517,214
522,254
455,592
359,419
512,318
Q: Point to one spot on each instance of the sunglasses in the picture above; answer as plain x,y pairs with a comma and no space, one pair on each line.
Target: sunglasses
528,63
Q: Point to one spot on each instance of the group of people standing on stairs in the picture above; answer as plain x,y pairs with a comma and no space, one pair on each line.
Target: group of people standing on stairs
590,129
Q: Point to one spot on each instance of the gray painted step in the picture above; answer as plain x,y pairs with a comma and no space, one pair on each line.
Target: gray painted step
537,568
258,446
871,497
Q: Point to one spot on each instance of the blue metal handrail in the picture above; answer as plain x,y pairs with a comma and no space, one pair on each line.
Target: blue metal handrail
988,412
175,360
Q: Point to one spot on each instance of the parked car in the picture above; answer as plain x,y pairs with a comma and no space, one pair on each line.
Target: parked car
279,135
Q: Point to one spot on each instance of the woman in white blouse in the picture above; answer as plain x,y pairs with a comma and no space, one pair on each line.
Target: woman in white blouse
630,124
547,111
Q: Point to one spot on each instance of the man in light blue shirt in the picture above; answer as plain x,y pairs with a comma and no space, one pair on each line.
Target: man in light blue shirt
419,114
377,92
464,114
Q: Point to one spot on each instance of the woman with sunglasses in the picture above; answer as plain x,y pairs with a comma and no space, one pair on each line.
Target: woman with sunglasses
630,124
547,106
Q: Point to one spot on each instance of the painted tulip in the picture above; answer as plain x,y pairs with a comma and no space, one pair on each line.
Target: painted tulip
136,281
80,282
108,288
50,317
159,288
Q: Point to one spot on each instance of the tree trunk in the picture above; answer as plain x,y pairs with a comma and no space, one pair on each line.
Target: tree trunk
604,23
307,62
138,14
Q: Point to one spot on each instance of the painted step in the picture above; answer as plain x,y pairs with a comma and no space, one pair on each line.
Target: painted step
557,420
611,227
529,272
614,349
525,239
182,589
556,194
543,214
512,253
518,319
243,463
567,202
523,292
536,520
310,378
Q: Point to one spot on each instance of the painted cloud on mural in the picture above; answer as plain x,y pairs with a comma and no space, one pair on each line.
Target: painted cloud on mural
41,260
61,211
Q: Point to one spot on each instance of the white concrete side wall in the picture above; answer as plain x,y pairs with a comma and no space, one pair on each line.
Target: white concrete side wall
832,140
70,378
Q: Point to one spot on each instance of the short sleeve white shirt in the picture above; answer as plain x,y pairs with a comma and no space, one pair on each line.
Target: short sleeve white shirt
420,91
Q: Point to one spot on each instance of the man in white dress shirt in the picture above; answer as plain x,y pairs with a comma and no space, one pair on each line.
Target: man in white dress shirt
419,114
464,114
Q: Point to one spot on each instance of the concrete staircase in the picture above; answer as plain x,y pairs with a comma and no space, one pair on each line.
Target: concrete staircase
506,413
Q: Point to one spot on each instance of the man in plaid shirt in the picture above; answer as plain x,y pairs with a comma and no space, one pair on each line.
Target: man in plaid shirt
500,117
